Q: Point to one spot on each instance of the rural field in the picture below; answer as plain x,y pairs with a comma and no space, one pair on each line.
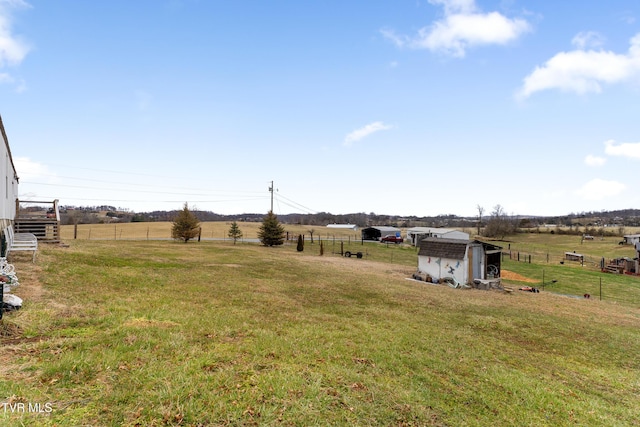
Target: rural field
118,331
210,230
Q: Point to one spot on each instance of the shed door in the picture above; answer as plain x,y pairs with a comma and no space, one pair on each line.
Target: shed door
476,263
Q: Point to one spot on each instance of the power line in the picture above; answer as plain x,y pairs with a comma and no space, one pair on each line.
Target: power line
132,184
123,190
298,205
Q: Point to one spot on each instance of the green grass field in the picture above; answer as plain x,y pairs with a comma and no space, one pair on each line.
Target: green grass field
164,333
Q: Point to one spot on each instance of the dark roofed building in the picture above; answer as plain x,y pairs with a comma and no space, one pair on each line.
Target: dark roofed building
378,231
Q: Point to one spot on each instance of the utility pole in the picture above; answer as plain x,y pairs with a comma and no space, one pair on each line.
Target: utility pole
271,191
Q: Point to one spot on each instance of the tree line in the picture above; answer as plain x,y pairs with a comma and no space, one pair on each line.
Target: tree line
627,217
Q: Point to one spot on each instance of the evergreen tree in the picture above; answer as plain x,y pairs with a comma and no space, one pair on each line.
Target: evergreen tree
271,232
300,246
185,225
234,232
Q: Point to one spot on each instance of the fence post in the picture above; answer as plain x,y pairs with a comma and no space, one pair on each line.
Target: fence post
75,231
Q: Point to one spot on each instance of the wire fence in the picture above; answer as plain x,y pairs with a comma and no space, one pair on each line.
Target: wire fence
548,265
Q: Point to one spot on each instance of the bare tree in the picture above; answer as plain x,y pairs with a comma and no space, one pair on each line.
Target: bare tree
499,225
480,212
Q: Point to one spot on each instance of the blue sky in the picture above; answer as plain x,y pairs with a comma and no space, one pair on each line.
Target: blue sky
399,107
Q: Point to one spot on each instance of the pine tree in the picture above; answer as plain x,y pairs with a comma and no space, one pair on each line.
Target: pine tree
300,246
234,232
185,225
271,232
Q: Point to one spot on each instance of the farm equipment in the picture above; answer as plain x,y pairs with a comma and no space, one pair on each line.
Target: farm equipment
348,254
624,265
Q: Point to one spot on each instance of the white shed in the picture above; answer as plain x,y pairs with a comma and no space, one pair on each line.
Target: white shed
464,260
631,239
9,186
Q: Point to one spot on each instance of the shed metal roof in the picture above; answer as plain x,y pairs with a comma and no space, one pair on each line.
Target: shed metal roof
429,230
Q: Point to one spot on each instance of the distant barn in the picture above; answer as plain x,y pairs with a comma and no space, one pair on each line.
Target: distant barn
416,234
631,239
343,226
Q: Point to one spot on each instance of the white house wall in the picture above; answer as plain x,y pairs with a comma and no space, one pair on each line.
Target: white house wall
9,182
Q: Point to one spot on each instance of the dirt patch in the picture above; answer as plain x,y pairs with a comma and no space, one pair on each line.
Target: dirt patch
510,275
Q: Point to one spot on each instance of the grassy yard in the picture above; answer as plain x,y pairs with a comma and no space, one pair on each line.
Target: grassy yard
215,334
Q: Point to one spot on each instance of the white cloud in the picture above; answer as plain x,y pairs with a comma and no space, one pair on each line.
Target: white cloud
595,161
463,27
625,149
456,6
12,48
587,39
599,189
28,169
365,131
583,71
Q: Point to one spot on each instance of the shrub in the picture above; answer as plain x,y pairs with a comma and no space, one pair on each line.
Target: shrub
271,232
185,226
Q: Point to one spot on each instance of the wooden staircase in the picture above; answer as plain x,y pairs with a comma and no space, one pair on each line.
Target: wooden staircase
44,223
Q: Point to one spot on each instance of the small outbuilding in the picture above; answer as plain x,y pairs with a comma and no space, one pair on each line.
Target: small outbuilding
464,260
631,239
415,234
379,231
572,256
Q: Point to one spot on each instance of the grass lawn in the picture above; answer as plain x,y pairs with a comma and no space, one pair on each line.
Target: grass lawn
214,334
